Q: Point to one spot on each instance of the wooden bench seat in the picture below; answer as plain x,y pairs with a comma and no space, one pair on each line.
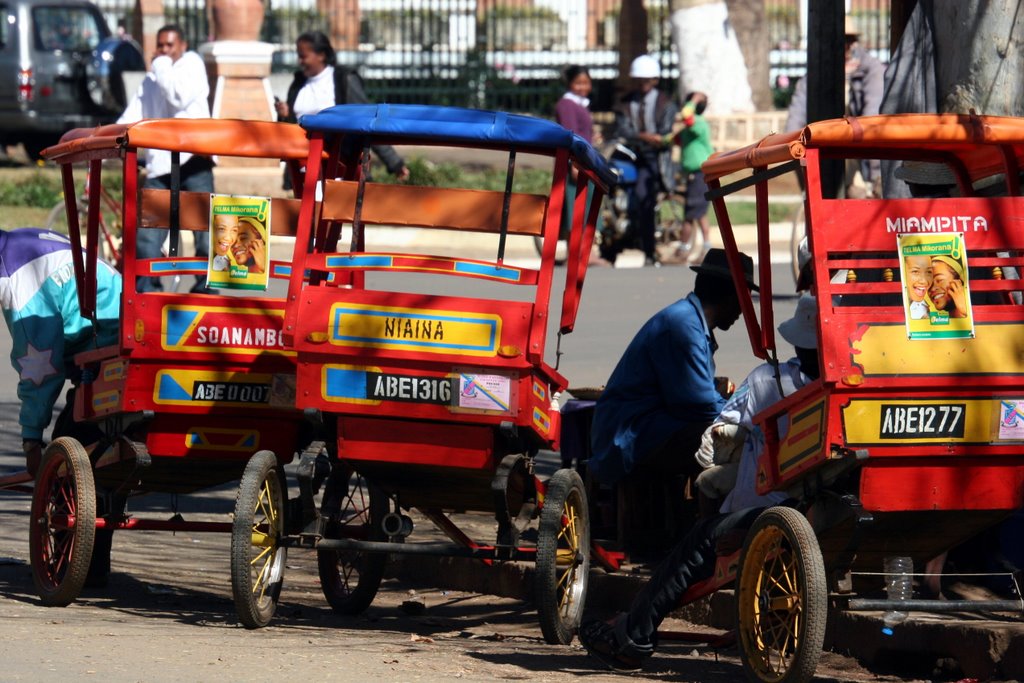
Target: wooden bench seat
395,205
433,207
194,212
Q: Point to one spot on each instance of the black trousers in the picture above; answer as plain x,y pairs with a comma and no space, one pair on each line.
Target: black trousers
691,560
676,455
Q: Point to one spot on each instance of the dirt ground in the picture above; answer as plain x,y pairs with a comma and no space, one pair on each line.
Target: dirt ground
167,614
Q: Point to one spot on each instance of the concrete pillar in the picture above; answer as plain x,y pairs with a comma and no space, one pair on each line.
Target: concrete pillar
149,17
239,73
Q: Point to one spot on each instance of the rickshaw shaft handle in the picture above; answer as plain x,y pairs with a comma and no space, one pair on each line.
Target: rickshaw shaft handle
868,605
439,549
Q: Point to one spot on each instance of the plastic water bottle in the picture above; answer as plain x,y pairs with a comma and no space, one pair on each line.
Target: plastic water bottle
898,571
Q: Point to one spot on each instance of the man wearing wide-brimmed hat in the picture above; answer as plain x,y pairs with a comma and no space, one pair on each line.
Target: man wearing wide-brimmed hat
661,395
627,641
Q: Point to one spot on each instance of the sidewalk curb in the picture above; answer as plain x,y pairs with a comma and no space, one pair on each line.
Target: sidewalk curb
984,649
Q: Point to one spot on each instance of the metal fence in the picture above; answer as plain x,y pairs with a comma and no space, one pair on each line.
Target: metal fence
496,54
192,15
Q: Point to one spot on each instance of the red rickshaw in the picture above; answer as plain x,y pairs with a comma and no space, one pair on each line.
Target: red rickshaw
440,401
910,442
198,392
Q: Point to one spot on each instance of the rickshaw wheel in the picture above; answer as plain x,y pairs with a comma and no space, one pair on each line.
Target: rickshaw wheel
782,598
257,556
563,557
63,524
350,578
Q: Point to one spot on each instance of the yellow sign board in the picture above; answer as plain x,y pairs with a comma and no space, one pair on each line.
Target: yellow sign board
884,350
415,329
889,422
805,438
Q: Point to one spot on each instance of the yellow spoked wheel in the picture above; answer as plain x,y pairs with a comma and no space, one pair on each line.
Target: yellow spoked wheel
782,598
563,557
257,556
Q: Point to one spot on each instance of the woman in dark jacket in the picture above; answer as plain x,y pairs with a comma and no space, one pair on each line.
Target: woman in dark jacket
320,84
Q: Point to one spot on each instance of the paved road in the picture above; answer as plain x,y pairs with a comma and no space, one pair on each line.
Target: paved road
617,303
167,614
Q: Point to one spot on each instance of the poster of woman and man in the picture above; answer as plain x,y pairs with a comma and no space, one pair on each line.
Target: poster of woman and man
936,292
239,242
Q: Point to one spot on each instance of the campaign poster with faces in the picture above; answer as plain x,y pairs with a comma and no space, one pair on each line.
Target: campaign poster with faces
239,242
936,291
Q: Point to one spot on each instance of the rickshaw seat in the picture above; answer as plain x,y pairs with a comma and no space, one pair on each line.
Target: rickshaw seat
95,355
194,212
432,207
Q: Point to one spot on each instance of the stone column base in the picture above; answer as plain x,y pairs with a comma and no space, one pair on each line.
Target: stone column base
239,71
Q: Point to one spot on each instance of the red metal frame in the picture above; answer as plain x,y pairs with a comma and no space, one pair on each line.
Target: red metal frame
211,370
316,306
866,358
430,453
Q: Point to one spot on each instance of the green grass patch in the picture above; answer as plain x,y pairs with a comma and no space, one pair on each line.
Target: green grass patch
22,217
745,213
37,190
447,174
26,199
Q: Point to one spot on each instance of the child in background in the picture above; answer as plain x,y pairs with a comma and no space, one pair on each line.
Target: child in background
694,140
572,110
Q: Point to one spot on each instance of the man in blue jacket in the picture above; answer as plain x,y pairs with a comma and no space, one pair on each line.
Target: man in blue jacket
662,394
39,298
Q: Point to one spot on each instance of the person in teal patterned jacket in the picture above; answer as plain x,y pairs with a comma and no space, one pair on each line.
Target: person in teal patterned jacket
40,305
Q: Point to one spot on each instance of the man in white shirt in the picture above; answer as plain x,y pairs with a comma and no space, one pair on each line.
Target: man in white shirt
176,87
759,391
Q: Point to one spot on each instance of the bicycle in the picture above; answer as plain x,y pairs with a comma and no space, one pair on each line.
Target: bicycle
670,229
109,222
670,211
